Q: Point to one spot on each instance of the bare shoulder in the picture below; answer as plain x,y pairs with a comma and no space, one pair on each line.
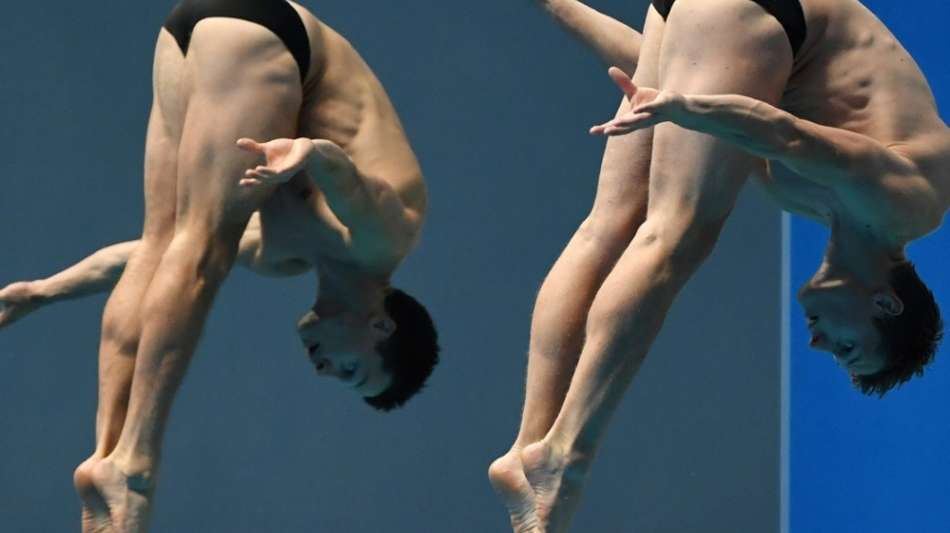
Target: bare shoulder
931,154
350,107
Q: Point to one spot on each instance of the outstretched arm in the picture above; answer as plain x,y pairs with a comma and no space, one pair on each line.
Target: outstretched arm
94,274
836,158
100,271
613,41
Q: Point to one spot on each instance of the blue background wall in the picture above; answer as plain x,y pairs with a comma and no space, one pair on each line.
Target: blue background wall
497,102
860,464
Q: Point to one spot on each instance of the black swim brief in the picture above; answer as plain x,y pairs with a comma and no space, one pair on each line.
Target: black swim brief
788,12
277,16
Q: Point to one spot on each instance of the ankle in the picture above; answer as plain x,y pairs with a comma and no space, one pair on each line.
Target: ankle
140,471
574,455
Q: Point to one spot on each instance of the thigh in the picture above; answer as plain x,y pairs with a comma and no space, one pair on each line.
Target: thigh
712,47
161,144
239,81
622,187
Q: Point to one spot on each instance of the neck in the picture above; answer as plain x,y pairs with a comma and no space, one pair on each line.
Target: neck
857,255
343,290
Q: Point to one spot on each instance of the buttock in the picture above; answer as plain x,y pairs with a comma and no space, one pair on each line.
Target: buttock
278,16
789,13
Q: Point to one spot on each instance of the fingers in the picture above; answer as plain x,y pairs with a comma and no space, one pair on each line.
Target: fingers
623,81
250,145
260,175
624,124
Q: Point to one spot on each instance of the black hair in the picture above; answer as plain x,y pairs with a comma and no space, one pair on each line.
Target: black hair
409,354
910,339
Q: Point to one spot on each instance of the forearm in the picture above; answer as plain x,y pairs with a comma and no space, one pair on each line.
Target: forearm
613,41
97,273
752,125
348,193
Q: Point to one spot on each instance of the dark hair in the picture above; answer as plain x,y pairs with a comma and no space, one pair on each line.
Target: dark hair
909,339
409,354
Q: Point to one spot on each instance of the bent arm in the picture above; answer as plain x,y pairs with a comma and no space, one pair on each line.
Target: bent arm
613,41
370,207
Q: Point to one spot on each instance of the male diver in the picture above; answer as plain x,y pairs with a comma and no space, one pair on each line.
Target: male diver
262,114
723,88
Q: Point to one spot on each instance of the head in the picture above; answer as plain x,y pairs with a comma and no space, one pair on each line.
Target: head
882,336
385,353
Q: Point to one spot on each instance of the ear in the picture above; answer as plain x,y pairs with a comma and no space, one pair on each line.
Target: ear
888,303
383,326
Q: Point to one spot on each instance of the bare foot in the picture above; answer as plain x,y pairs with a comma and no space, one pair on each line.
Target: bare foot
510,483
95,512
112,501
557,484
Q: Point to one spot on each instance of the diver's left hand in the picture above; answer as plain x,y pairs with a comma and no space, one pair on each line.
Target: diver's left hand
283,159
648,107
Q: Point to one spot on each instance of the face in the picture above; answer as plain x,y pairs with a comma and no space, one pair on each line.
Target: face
343,347
840,320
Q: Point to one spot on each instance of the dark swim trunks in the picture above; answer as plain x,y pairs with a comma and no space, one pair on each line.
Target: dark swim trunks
276,15
788,12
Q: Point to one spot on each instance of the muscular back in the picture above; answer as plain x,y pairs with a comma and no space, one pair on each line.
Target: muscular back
345,103
853,74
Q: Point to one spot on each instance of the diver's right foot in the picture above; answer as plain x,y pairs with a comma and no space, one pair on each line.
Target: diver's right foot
95,512
508,479
113,502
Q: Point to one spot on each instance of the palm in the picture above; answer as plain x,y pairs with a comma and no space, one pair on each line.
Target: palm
283,158
647,107
277,153
644,95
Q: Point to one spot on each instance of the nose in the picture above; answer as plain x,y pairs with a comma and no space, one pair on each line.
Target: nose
307,320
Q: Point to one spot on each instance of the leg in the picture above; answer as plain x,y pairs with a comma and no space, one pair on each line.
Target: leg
560,312
239,81
121,324
694,181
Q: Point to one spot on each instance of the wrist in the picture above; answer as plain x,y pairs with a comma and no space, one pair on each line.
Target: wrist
682,111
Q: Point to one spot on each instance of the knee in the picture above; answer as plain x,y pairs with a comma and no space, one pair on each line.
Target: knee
206,256
610,227
680,245
120,331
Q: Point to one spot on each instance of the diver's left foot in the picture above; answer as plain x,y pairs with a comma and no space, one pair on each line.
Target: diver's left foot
557,482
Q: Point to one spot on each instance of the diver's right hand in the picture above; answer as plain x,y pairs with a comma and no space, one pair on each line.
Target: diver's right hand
18,300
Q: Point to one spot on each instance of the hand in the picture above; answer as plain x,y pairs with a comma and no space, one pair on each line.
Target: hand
16,301
330,160
648,107
284,158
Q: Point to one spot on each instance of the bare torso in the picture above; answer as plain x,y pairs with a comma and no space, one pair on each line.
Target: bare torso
853,74
343,102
